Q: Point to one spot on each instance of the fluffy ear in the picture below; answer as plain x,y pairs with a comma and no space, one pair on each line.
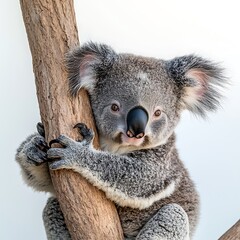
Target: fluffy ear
200,82
87,63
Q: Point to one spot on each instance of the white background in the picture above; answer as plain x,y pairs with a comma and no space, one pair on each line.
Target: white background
163,29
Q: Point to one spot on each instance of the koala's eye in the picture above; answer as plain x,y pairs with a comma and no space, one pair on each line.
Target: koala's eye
157,113
115,107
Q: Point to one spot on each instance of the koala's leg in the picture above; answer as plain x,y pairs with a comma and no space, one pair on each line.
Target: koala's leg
170,223
55,226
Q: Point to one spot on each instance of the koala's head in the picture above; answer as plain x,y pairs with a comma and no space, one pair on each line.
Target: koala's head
137,101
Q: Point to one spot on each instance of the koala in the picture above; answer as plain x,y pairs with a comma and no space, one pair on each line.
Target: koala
137,103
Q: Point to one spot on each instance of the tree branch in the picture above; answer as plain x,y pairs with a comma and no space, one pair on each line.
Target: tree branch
52,31
233,233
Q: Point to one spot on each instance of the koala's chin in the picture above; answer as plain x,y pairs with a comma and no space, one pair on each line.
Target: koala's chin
121,144
127,141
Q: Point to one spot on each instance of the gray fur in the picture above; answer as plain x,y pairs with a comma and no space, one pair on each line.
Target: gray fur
169,223
53,219
215,80
131,180
152,190
96,59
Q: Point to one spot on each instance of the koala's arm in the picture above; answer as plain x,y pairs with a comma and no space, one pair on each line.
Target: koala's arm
136,180
34,170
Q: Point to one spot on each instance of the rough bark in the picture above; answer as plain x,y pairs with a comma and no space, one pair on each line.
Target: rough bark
51,30
233,233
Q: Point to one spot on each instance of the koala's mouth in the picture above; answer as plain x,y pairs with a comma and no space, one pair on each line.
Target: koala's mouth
124,140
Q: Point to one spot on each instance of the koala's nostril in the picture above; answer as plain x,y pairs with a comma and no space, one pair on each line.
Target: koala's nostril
130,134
140,135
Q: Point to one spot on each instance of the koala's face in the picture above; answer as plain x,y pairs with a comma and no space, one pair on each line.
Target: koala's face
137,101
140,84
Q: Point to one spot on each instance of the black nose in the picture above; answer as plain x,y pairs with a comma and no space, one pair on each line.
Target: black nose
136,122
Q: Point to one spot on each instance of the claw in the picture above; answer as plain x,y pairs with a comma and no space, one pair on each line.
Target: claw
40,129
37,157
42,145
36,163
56,141
84,130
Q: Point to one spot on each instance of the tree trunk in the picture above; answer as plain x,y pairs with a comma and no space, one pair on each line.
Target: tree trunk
52,31
233,233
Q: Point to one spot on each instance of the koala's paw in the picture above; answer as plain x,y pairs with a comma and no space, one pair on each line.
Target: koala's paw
71,151
33,150
63,157
36,150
